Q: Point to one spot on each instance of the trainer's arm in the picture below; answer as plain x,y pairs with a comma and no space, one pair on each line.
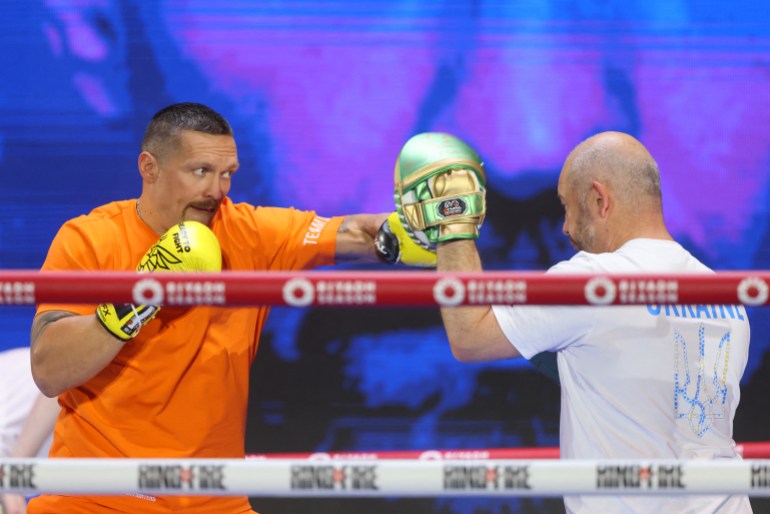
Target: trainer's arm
68,349
355,237
473,332
37,427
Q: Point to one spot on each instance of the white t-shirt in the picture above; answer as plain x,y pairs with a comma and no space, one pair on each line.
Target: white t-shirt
641,382
18,393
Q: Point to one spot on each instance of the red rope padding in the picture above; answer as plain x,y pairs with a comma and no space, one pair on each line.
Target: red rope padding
386,288
757,450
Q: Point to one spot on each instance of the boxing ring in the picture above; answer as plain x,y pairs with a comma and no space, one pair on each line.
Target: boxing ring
430,473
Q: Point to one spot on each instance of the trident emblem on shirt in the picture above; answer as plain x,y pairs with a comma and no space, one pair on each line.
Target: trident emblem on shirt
700,389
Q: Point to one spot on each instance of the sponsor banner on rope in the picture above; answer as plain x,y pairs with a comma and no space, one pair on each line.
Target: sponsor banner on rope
17,477
301,292
753,291
174,477
605,291
17,293
760,476
328,477
484,477
343,456
450,292
149,291
195,293
454,455
638,477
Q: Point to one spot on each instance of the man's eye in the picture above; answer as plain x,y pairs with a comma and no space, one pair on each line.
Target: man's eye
227,174
200,171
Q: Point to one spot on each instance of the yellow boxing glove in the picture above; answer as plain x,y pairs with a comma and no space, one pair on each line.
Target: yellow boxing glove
188,246
394,245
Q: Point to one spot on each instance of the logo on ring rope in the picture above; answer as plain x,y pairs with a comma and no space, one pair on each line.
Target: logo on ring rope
760,476
449,292
486,477
177,477
600,291
752,291
148,291
298,292
19,477
17,293
333,477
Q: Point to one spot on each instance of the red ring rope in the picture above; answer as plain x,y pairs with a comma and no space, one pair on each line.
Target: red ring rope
383,288
749,450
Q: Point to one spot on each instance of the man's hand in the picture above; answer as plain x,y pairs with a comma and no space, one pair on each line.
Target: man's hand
394,245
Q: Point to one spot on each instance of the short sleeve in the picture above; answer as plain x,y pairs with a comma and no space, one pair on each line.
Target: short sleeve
69,251
533,329
296,240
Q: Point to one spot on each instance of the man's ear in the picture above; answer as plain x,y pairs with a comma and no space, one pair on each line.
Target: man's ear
148,167
601,198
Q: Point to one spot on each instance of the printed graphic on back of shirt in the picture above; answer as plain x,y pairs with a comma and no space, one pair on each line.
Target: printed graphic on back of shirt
700,385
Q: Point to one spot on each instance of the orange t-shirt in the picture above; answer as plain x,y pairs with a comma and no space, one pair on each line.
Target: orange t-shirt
180,388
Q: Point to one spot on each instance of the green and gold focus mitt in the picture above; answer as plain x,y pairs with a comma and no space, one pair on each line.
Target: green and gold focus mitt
439,189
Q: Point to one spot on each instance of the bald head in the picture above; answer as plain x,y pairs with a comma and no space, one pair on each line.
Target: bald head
622,163
610,189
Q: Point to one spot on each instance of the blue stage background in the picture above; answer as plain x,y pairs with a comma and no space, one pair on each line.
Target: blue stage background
322,95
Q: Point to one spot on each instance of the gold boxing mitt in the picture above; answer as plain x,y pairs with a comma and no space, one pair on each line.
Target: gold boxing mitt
439,189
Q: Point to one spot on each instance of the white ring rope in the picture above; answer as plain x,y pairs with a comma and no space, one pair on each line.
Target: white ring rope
379,478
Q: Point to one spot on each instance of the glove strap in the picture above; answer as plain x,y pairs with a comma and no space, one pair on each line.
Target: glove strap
454,209
124,321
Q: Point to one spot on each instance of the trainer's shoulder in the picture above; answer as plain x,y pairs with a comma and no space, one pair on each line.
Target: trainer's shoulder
635,256
582,262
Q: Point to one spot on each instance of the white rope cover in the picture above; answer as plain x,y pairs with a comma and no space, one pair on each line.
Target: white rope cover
382,478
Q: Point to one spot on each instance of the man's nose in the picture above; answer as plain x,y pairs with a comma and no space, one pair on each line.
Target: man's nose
214,189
